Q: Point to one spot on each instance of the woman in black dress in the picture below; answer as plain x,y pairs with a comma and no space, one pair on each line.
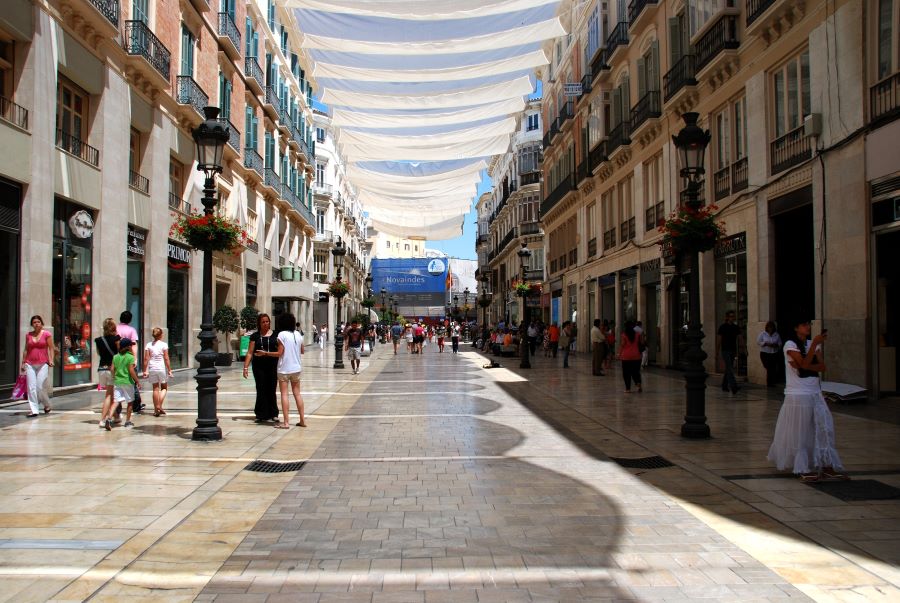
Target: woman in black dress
263,352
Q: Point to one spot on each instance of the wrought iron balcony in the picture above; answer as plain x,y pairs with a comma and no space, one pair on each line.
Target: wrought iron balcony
680,75
565,186
13,113
598,62
566,111
508,238
554,128
190,93
754,8
229,31
789,150
529,228
722,183
234,136
178,204
82,150
323,189
619,136
597,155
636,7
739,175
618,37
109,9
884,98
284,117
253,161
254,73
252,246
530,178
583,171
140,41
723,35
271,179
306,213
648,107
138,182
586,81
547,140
271,101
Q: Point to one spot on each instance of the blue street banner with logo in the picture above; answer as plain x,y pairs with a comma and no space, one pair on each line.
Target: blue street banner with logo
418,284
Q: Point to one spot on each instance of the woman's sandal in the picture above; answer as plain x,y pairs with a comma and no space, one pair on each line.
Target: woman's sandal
32,415
47,410
156,413
282,426
808,478
836,475
301,424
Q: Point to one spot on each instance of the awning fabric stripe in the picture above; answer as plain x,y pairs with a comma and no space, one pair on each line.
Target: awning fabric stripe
421,95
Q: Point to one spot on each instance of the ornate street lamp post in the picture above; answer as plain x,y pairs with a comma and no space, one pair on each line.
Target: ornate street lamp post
484,300
524,253
691,143
338,252
456,306
466,304
383,308
210,137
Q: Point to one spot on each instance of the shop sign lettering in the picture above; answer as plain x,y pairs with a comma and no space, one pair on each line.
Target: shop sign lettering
179,253
732,245
136,244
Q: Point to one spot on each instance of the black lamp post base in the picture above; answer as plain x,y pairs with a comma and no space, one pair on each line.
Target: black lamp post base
695,430
338,352
212,433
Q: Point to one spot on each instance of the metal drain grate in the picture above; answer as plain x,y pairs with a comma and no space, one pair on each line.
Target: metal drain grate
861,489
274,466
650,462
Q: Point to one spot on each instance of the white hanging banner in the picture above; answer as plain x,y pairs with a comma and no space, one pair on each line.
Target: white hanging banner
358,119
506,126
462,98
449,229
424,10
475,148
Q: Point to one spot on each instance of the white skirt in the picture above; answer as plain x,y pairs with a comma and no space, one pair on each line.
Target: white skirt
804,435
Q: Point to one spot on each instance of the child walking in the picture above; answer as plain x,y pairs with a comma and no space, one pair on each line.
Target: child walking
157,369
124,380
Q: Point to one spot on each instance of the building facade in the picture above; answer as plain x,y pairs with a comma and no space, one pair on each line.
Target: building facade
97,104
509,217
798,161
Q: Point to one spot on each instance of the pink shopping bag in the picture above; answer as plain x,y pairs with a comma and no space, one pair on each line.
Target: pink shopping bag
20,390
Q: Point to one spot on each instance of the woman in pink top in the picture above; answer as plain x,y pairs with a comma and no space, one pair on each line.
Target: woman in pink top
630,355
40,352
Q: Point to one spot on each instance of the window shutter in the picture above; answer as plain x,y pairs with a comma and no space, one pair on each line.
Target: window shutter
626,99
675,49
616,106
642,77
653,71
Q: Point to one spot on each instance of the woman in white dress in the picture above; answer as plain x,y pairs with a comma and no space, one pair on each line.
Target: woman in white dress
804,433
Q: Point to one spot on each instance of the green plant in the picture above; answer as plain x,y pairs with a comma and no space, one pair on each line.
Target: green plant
225,320
209,232
690,229
249,315
338,288
484,301
368,302
362,319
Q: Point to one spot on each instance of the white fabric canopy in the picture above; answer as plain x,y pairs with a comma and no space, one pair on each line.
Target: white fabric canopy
529,60
360,119
479,148
499,128
438,200
448,229
473,96
425,10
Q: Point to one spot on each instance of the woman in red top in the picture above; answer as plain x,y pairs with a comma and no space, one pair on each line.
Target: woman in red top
630,355
40,352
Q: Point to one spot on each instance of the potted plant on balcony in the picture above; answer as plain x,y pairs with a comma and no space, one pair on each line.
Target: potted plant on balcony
522,289
225,320
338,288
688,229
209,232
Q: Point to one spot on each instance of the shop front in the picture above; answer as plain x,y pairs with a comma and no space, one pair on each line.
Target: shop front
650,275
73,235
628,296
136,251
10,243
886,224
177,315
731,292
607,284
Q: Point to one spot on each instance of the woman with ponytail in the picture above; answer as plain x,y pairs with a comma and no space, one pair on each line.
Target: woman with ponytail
804,433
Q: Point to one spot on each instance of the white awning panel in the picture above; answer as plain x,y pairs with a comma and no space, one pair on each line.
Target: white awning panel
361,119
424,10
443,100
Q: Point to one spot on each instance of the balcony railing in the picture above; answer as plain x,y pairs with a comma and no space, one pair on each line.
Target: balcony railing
723,35
755,8
306,213
598,63
267,254
648,107
609,239
229,29
586,81
583,173
271,98
190,93
253,246
597,155
13,113
271,179
138,182
884,98
592,247
140,41
617,37
636,7
619,136
530,178
284,116
234,136
565,186
554,128
253,70
75,146
789,150
178,204
547,140
109,9
566,111
323,189
739,175
680,75
508,238
627,230
253,161
722,183
324,235
529,228
653,215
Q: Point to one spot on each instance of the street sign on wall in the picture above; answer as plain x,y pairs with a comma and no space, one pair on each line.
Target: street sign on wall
572,89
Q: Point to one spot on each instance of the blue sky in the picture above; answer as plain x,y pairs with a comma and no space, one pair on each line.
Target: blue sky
464,247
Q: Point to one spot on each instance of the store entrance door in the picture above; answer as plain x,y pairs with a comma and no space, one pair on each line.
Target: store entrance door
887,249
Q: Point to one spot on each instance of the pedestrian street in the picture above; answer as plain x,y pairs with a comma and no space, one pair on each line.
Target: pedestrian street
430,478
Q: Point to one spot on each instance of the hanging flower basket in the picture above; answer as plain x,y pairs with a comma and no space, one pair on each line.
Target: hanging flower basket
368,302
527,289
484,301
689,229
209,232
338,289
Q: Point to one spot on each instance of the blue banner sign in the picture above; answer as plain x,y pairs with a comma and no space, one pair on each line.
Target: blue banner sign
409,275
